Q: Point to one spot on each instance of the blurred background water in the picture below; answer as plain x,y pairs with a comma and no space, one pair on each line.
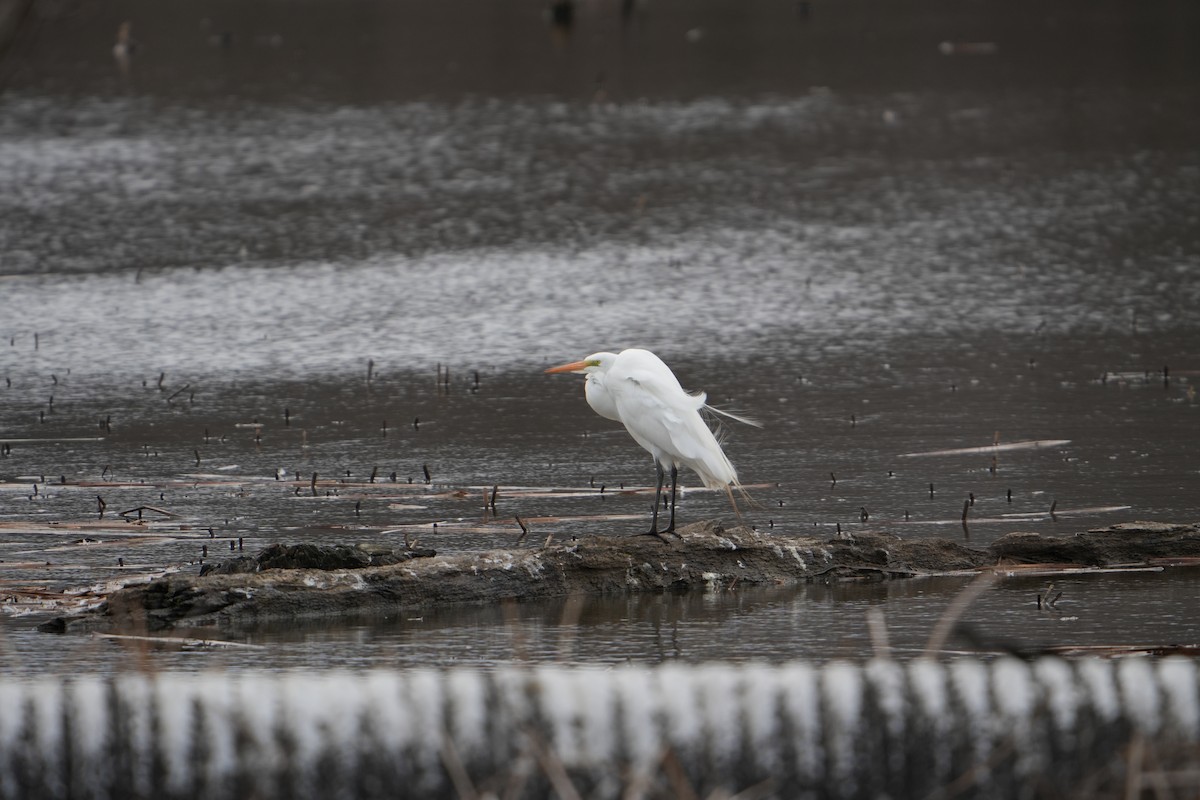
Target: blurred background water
243,244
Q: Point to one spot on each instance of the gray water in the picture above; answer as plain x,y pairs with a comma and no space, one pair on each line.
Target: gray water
272,245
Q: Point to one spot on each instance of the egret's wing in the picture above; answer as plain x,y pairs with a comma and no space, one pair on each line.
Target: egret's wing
666,421
655,414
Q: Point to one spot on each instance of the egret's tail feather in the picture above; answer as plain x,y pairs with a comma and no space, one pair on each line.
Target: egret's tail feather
702,404
735,417
732,501
746,498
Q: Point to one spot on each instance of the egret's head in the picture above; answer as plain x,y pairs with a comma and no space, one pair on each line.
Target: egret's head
596,362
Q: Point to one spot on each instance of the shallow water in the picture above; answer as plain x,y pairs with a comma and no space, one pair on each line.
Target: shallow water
226,278
813,623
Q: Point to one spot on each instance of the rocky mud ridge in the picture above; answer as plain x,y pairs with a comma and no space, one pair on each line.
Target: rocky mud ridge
310,582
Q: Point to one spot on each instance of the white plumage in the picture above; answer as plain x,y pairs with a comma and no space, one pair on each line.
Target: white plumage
638,390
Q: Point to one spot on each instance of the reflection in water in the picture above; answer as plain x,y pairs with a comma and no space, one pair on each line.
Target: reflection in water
125,47
812,622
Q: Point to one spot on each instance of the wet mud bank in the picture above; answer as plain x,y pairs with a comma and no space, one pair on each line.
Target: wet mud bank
706,557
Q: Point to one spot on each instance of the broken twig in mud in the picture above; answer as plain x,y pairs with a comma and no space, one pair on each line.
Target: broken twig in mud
141,509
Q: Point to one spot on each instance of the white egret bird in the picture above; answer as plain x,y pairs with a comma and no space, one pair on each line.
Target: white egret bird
638,390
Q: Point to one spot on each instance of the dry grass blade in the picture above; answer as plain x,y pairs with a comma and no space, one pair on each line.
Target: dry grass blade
958,606
554,768
463,786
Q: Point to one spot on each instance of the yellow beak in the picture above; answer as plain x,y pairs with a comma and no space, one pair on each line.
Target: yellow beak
574,366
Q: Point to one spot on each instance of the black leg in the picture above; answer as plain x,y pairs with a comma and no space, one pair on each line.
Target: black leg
674,486
657,496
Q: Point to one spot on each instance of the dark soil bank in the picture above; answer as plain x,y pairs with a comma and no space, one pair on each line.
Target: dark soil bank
706,557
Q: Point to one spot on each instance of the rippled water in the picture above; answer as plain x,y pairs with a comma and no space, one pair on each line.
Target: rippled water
225,294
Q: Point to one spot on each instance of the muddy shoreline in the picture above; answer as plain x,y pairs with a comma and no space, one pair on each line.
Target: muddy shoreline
706,557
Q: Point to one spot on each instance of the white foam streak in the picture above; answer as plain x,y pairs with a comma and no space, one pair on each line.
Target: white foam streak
386,716
1181,689
256,699
174,713
559,705
842,686
1140,692
676,696
87,700
931,694
1099,684
970,680
638,698
1016,698
467,712
425,699
802,704
1062,694
721,702
761,706
888,679
217,717
312,735
135,698
598,724
12,700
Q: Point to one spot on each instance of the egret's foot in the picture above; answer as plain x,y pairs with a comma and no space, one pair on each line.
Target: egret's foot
659,534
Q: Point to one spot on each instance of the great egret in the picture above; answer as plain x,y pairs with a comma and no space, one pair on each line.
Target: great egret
638,390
